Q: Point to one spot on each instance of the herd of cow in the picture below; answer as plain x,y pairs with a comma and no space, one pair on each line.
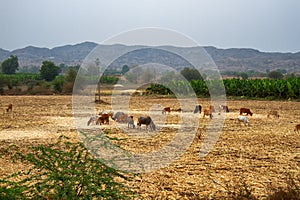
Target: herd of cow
121,117
223,108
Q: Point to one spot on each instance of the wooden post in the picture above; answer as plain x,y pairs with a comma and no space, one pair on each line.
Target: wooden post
98,93
97,62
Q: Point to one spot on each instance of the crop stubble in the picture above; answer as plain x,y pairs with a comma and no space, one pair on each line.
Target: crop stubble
260,155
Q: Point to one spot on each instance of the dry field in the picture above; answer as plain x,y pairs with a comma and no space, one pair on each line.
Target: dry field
260,155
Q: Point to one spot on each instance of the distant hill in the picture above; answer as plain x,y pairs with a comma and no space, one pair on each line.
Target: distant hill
4,54
233,59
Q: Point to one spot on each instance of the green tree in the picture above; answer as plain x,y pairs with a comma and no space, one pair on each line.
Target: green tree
191,74
10,65
70,78
125,69
275,75
71,74
244,75
49,71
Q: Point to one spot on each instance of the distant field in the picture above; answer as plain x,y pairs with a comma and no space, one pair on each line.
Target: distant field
261,155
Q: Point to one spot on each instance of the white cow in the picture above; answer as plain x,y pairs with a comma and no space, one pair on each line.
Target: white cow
244,119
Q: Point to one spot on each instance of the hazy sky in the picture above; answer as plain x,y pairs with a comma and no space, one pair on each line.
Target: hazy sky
266,25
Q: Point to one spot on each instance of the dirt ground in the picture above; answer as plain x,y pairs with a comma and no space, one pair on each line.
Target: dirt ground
259,155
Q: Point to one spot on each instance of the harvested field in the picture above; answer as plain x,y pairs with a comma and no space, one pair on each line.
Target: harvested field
259,155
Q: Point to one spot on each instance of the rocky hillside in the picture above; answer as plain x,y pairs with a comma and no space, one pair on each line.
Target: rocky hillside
233,59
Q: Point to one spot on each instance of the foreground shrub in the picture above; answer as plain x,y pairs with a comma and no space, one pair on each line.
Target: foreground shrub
63,170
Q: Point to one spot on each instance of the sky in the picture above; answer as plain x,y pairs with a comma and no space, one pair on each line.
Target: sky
266,25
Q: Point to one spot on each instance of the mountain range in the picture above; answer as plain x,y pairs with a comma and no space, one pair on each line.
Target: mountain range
233,59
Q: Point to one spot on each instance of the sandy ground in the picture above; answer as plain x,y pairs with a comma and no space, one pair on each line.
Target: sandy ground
259,155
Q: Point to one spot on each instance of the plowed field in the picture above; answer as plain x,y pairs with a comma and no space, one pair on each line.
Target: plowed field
259,155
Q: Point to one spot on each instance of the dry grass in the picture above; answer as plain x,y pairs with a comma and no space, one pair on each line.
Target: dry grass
258,156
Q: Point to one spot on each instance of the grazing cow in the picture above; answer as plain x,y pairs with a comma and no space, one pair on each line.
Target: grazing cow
117,115
207,113
166,109
131,122
244,119
93,119
147,121
103,119
198,109
223,108
274,113
9,107
297,127
245,110
121,117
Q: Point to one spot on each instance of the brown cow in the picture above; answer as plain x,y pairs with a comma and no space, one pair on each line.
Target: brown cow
104,118
274,113
297,127
166,109
208,113
245,110
9,108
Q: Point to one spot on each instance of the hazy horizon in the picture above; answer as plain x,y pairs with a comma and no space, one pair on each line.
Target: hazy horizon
268,25
162,45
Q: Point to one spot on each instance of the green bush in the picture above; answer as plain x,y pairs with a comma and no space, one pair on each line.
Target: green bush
111,80
63,170
58,83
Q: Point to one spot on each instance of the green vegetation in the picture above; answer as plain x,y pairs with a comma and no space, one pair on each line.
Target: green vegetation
110,80
49,71
64,170
191,74
20,78
251,88
48,81
275,75
14,82
10,65
276,86
125,69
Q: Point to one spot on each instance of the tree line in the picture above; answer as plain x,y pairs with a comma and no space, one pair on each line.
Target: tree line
50,79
